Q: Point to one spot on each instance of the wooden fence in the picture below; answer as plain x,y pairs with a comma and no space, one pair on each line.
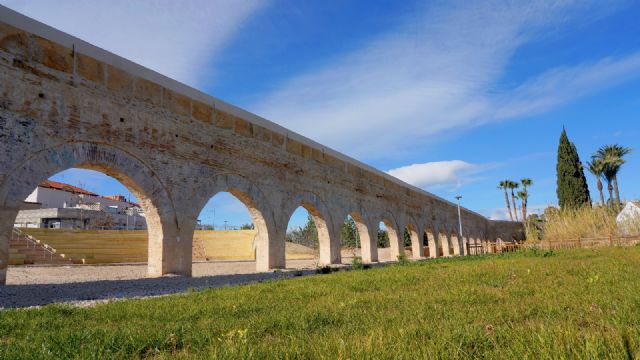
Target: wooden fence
555,244
589,242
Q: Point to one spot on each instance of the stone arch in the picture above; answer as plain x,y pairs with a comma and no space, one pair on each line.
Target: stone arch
395,243
431,241
329,246
368,240
166,240
455,242
416,243
443,239
260,210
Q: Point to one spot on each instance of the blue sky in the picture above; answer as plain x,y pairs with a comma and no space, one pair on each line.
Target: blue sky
450,96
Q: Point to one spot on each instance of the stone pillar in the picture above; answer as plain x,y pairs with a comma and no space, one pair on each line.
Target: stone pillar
464,242
270,247
329,244
170,246
416,243
368,242
7,217
396,246
444,242
433,245
456,245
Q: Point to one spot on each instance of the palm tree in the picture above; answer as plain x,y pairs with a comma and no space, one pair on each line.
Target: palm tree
613,155
513,185
526,182
608,177
523,196
503,185
597,167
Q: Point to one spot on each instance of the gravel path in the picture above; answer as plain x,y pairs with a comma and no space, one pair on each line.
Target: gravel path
86,285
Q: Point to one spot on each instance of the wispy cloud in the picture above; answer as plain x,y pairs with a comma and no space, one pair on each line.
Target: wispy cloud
503,213
441,72
175,38
452,173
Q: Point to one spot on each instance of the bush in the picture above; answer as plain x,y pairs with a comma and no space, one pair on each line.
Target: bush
402,259
356,263
581,222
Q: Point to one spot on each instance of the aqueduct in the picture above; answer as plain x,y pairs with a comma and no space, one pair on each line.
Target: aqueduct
65,103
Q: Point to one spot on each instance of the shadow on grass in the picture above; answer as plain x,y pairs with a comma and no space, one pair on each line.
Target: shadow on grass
24,295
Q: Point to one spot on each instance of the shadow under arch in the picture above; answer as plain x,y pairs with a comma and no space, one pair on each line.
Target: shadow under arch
329,248
259,209
432,243
396,244
368,240
138,177
416,239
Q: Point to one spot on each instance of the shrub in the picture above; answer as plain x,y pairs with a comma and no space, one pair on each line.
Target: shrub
356,263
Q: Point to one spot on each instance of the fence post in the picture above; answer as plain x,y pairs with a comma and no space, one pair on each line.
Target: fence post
610,240
579,242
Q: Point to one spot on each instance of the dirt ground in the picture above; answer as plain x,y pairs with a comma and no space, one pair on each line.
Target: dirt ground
85,285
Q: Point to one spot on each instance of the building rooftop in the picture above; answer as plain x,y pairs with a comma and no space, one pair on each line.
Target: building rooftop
76,190
65,187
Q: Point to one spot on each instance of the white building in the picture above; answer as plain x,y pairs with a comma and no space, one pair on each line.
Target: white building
629,218
58,205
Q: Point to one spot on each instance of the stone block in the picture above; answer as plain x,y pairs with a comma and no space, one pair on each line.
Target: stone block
148,91
119,81
177,103
243,127
52,55
14,41
90,68
201,111
277,139
223,120
294,147
261,133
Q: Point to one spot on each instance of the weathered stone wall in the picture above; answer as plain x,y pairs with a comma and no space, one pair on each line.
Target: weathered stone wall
65,103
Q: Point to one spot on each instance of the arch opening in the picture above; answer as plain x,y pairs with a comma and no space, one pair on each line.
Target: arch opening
455,244
431,249
357,241
389,245
306,234
167,243
414,241
228,227
83,204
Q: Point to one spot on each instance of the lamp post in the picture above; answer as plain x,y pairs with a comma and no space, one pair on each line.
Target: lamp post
458,197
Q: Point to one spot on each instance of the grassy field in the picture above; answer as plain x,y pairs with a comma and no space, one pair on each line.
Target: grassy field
570,304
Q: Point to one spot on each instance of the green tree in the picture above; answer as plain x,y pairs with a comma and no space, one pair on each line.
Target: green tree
504,185
349,233
524,196
407,237
306,235
613,157
597,167
512,185
572,188
383,238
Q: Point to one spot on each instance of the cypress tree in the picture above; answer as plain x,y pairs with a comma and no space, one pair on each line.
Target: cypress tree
572,189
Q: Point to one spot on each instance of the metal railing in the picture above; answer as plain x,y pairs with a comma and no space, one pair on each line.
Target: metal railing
34,243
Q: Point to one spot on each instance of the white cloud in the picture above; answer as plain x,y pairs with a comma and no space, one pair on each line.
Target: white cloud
175,38
503,213
441,72
437,173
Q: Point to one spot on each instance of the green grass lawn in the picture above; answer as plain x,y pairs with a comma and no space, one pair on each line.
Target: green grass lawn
571,304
